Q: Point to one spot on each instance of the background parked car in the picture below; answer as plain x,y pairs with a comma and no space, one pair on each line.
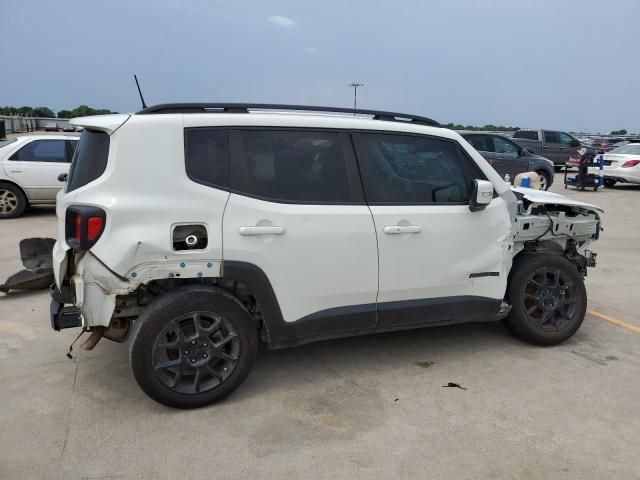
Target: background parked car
29,170
556,146
507,157
621,164
51,127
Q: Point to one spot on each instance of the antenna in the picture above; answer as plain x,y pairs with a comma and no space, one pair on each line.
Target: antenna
144,105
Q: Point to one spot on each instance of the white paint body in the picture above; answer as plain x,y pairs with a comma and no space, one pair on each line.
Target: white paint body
317,257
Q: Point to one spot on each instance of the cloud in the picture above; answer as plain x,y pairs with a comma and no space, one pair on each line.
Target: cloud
311,50
279,21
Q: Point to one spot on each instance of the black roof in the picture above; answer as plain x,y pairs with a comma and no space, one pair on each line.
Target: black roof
245,107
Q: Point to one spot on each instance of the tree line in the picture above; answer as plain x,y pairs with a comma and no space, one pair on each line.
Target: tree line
46,112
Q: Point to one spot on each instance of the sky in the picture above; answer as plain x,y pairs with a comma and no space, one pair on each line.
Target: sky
557,64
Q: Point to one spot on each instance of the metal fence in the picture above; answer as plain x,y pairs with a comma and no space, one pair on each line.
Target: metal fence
16,124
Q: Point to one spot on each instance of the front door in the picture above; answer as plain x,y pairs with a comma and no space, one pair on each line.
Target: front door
439,262
508,160
297,212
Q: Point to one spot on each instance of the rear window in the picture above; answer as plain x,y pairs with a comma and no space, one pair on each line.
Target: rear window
89,160
528,134
4,143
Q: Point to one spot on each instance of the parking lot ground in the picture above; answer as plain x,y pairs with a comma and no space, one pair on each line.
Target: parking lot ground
368,407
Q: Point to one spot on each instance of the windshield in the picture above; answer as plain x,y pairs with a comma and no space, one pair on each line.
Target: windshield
630,148
4,143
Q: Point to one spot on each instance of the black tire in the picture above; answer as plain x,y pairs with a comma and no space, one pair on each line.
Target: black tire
609,182
13,201
546,309
155,343
547,179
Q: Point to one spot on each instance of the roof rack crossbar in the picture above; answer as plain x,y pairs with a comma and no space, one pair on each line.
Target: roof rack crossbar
245,107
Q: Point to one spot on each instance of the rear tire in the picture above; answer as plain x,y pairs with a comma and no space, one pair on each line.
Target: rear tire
609,182
13,201
545,180
548,299
193,346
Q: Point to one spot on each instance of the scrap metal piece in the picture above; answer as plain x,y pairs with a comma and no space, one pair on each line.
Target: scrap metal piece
36,255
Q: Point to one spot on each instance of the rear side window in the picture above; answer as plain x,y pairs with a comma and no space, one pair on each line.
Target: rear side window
89,160
206,156
294,166
482,143
551,137
528,134
42,151
413,170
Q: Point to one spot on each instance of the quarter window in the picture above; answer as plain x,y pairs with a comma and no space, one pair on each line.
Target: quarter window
206,156
400,169
294,166
42,151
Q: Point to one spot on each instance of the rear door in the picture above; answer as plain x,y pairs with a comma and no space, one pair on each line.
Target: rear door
508,160
484,145
297,212
553,149
439,262
36,167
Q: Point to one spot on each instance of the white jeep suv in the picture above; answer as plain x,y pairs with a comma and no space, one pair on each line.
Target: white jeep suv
198,230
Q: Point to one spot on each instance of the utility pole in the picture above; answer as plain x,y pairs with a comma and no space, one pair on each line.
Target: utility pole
355,95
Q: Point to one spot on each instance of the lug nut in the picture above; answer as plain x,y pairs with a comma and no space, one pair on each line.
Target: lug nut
205,356
204,345
186,352
193,360
194,342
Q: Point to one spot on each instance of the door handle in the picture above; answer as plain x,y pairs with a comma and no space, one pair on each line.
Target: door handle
392,229
16,171
253,231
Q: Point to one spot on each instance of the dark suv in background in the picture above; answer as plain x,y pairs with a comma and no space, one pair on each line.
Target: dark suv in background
507,157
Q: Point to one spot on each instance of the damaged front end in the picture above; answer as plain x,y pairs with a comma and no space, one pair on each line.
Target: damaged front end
548,222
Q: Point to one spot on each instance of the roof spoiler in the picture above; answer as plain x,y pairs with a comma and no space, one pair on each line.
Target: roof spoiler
102,123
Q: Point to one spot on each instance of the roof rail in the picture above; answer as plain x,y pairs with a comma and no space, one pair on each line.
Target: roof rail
245,107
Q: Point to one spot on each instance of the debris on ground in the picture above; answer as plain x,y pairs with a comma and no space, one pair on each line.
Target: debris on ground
36,255
454,385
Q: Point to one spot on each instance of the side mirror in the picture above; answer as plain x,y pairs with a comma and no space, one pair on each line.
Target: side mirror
481,195
521,151
63,177
574,143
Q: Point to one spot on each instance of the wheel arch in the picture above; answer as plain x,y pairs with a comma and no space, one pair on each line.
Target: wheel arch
17,185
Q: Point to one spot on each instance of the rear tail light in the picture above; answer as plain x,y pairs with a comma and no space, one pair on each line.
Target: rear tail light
84,226
631,163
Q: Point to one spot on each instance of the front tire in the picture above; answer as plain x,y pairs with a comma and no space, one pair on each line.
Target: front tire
609,182
193,346
13,202
548,299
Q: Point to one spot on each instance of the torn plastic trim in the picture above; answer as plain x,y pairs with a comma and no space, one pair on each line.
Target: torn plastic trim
97,287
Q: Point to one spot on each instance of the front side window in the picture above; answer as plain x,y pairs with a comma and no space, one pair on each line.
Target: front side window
409,170
551,137
42,151
206,156
505,147
293,166
566,139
